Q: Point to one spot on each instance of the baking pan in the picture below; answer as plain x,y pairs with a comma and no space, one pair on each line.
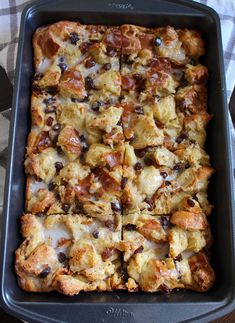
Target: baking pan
123,306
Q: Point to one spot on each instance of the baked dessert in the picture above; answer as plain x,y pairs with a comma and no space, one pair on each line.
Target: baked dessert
69,253
117,172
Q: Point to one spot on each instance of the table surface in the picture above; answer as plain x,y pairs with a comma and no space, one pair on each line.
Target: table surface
5,103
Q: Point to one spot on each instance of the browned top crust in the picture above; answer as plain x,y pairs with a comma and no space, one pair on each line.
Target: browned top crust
60,249
115,161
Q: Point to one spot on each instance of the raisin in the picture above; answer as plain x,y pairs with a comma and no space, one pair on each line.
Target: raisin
124,274
84,143
140,152
49,121
124,182
141,86
51,186
36,88
181,137
192,141
139,250
84,47
63,182
107,253
89,83
159,124
150,202
59,150
74,38
79,100
50,109
55,138
182,106
46,271
157,41
109,224
49,101
167,183
165,222
107,66
90,63
78,207
63,67
57,195
130,227
140,82
43,141
139,109
137,77
116,206
51,90
126,60
95,106
95,234
56,126
190,202
148,161
111,51
164,174
178,166
58,166
61,257
178,258
131,137
65,207
82,138
138,166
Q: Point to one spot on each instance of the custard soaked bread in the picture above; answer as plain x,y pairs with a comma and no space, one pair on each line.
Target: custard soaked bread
117,172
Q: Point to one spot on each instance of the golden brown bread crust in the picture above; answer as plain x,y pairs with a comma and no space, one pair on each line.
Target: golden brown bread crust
117,174
59,245
147,238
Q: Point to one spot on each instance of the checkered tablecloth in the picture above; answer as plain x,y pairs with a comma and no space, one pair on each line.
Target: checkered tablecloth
10,12
4,129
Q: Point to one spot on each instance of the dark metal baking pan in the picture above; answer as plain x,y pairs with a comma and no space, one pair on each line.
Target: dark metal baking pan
123,306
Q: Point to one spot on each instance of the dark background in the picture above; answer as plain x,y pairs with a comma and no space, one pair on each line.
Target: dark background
5,103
